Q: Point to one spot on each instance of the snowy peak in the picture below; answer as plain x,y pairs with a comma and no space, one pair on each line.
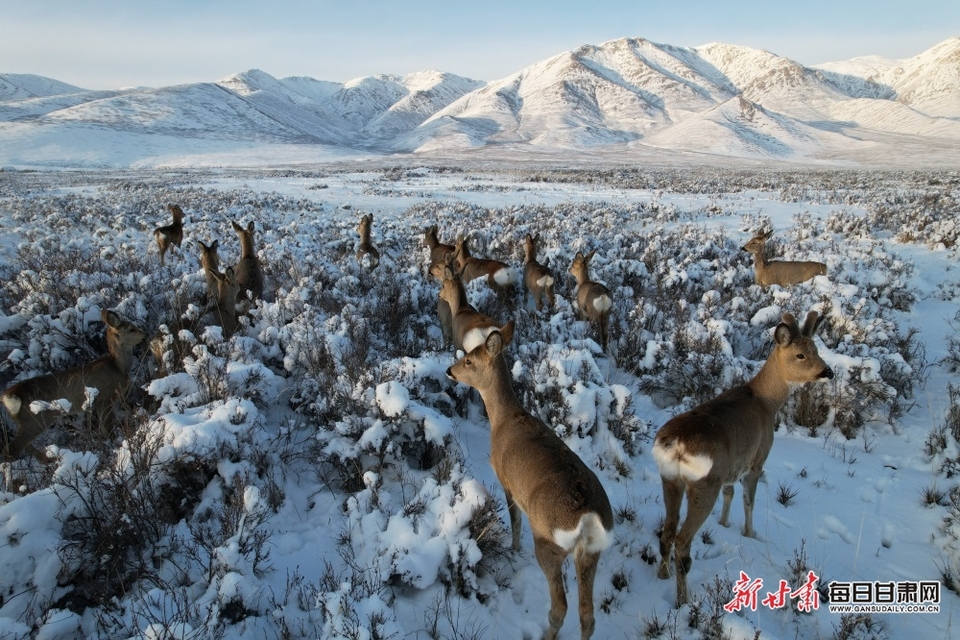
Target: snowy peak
625,93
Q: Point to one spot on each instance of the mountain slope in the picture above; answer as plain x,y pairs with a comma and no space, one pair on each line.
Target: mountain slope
618,96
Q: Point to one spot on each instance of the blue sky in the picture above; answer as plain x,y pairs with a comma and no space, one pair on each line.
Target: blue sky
115,43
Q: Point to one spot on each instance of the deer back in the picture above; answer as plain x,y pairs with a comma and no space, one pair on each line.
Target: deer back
497,273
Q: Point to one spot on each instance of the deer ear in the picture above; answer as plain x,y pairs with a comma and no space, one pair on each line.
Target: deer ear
767,235
250,227
494,343
783,334
215,243
811,324
506,332
590,255
235,226
448,273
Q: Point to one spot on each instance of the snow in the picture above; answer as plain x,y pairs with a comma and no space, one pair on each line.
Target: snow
622,100
322,477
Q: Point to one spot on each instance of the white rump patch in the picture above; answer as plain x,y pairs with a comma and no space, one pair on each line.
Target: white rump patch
589,533
673,462
476,337
12,403
603,303
505,276
545,281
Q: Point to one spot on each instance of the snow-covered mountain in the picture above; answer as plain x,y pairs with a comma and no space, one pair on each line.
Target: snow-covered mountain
621,96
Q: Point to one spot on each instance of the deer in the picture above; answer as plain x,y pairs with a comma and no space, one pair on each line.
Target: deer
594,300
536,277
36,403
440,271
248,270
170,338
779,272
726,440
438,250
566,505
366,247
210,261
468,327
171,234
499,274
226,301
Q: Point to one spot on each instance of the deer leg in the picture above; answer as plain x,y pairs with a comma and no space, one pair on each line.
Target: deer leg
550,556
586,564
700,500
515,521
604,324
749,493
672,499
727,499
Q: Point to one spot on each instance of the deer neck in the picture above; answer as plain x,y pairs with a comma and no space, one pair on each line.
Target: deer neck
459,301
770,384
123,357
246,247
498,396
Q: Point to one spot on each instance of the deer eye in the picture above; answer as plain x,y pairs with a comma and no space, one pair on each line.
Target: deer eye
800,356
467,361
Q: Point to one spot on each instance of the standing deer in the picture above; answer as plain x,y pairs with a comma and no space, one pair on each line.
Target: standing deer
210,261
438,250
468,327
226,301
36,403
171,234
366,247
440,271
499,274
727,439
567,507
780,272
248,270
536,277
593,299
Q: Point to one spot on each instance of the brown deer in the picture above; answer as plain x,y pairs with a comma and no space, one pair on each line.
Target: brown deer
438,250
499,274
440,271
593,299
36,403
727,439
536,277
248,270
468,327
210,261
169,337
780,272
366,247
171,234
567,507
226,301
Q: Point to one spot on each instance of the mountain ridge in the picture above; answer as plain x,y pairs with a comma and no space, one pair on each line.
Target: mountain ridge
619,96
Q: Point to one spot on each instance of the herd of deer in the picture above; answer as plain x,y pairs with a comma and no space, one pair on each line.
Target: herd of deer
698,453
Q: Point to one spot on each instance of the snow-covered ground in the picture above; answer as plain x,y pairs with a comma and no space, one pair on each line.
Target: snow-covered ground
318,475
